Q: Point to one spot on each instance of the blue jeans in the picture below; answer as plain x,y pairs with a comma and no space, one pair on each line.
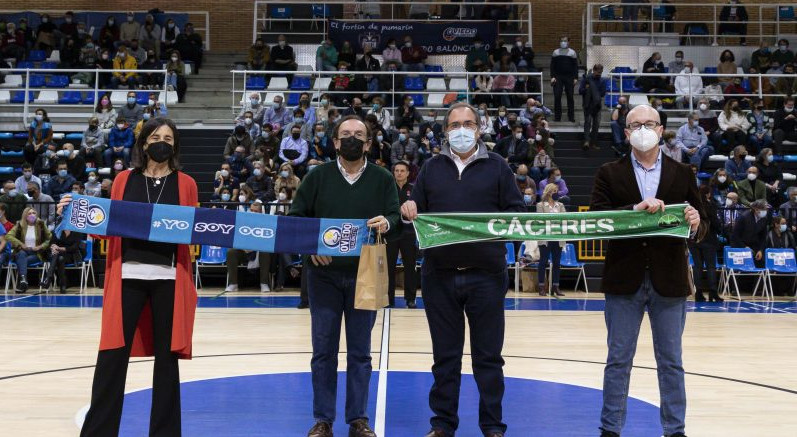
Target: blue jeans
171,79
449,296
700,157
538,173
754,145
555,250
109,156
667,318
331,294
618,134
23,258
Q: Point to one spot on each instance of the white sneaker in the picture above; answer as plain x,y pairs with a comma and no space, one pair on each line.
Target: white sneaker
264,288
231,287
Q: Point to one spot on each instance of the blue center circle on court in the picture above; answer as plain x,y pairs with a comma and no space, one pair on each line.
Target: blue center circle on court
281,405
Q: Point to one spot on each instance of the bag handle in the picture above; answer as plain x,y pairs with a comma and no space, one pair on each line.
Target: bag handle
378,239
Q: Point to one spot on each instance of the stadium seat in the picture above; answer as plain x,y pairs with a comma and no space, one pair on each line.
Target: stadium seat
300,83
638,99
281,13
25,64
293,99
739,262
277,84
37,55
418,99
606,12
436,100
413,84
13,153
5,96
55,56
49,65
710,70
434,69
74,136
322,83
612,100
142,98
13,81
436,85
786,13
189,67
57,81
209,256
37,81
47,97
19,97
21,135
569,261
118,98
88,98
255,83
779,262
58,136
458,84
748,88
6,170
6,135
169,97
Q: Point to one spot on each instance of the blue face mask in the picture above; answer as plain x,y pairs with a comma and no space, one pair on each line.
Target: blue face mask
62,173
402,137
430,135
284,173
527,199
298,120
557,178
131,100
520,177
225,197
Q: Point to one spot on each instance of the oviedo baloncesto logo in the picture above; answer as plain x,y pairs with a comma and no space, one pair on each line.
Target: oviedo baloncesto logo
84,213
343,238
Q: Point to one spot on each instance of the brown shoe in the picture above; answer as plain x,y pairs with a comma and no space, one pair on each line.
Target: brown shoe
436,433
360,428
320,429
494,434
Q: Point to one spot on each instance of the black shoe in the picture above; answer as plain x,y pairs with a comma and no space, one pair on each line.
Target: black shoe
302,305
23,285
609,434
677,434
46,283
320,429
715,298
411,305
360,428
699,297
436,433
62,289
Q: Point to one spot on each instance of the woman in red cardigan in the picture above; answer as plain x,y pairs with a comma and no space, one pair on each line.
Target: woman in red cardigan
149,300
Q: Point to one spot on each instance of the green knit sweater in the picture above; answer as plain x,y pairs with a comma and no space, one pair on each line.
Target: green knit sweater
325,193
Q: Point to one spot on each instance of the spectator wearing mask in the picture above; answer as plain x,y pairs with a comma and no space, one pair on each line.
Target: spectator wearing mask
223,196
733,210
761,58
502,125
151,81
523,55
783,55
347,54
169,36
137,52
21,184
120,142
123,61
92,186
368,63
41,203
107,184
618,117
659,106
175,74
7,225
76,164
307,109
738,165
294,150
283,57
670,147
704,252
407,114
326,56
692,139
225,178
237,256
404,245
788,208
759,135
40,135
109,34
750,230
514,149
240,137
533,107
720,185
734,126
653,65
430,122
504,83
190,44
734,21
391,54
412,56
306,129
30,240
709,121
555,178
380,151
405,148
70,54
356,108
131,112
61,183
150,35
129,30
727,65
784,127
677,64
751,188
736,89
145,117
261,183
484,86
266,146
524,182
549,205
240,167
477,56
247,121
383,115
688,86
322,111
45,162
259,55
254,105
593,91
322,150
14,200
769,172
485,123
787,84
428,142
779,236
286,180
12,44
64,250
278,115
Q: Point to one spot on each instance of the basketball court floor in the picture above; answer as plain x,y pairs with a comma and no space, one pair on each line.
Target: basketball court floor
250,372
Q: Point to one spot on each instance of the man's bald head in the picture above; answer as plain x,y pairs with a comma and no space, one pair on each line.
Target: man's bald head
643,113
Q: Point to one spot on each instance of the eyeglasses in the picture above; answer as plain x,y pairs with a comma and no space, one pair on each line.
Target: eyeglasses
648,124
360,135
470,124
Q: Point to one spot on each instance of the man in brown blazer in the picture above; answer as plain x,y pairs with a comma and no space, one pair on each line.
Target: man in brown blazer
646,273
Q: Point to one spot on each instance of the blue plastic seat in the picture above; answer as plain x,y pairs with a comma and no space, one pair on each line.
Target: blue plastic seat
780,261
434,69
6,135
21,135
710,70
90,169
747,86
300,83
58,81
281,12
210,256
293,99
320,11
25,64
13,153
255,83
417,99
786,13
37,55
70,98
142,98
569,261
37,81
74,136
739,262
19,97
622,70
414,84
88,98
49,65
6,170
606,12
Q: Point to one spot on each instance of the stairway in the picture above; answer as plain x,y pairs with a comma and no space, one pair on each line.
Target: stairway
201,156
209,98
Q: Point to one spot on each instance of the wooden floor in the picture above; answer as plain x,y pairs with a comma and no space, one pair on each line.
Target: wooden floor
742,367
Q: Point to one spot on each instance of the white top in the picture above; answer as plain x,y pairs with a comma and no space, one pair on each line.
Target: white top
148,272
30,236
462,164
352,179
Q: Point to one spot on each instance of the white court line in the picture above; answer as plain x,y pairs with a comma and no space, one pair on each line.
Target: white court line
18,298
381,391
766,307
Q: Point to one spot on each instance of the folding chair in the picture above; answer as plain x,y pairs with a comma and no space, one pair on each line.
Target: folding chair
512,263
86,267
11,278
780,262
209,257
569,261
739,262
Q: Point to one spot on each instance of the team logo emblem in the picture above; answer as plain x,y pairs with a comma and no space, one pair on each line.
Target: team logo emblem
332,237
95,215
343,238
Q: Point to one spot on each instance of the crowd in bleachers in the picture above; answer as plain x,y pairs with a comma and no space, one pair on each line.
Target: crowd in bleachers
65,42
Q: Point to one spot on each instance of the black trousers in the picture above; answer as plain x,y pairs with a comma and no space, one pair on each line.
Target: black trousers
449,296
779,135
409,254
107,391
592,123
733,139
705,254
58,263
563,84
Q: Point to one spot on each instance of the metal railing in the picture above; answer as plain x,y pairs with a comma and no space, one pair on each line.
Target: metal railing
199,27
519,14
691,97
240,90
97,91
764,20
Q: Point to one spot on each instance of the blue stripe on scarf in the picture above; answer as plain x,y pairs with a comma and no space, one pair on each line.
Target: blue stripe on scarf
296,235
129,219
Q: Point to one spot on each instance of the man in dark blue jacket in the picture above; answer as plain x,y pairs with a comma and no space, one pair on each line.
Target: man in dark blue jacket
592,90
465,279
514,149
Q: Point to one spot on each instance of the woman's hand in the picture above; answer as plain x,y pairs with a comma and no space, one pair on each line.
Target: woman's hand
65,199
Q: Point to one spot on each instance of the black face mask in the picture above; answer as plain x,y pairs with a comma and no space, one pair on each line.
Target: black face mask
160,151
295,135
351,148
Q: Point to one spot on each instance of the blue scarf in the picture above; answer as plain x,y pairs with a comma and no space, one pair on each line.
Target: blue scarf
214,227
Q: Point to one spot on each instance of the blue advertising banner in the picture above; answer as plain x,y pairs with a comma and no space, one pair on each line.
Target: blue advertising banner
436,37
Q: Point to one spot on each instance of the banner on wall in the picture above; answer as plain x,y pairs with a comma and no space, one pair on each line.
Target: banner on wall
436,37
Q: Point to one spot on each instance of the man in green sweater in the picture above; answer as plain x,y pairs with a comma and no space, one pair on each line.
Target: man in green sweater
349,187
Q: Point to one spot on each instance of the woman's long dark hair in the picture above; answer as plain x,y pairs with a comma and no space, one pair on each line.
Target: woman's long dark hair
138,159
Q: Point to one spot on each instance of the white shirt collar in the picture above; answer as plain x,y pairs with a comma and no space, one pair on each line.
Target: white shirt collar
351,179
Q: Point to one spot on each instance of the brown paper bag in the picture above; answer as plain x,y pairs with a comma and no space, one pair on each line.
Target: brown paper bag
371,289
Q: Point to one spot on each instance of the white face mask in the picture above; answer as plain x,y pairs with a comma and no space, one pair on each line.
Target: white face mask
703,107
461,140
751,177
762,214
563,44
242,198
282,196
728,202
722,179
644,139
687,70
